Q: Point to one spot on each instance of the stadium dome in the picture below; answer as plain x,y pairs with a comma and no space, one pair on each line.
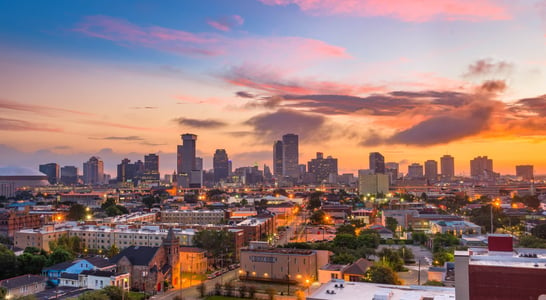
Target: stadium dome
13,178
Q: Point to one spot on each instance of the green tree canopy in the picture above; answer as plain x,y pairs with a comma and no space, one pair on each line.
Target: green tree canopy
318,217
59,255
539,231
314,201
379,273
77,212
346,228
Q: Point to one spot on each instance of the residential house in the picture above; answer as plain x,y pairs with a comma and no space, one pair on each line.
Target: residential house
357,270
23,285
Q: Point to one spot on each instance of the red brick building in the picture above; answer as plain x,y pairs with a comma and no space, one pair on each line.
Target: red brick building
12,221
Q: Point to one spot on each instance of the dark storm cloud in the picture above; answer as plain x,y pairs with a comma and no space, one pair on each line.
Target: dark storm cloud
271,126
197,123
441,129
488,67
244,94
493,86
266,102
535,105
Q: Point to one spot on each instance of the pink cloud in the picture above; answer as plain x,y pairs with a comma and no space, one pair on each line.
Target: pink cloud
277,82
12,105
405,10
226,23
286,49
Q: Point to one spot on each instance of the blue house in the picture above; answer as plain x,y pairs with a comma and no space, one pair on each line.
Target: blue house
53,273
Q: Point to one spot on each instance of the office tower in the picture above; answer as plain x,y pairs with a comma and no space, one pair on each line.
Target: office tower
372,183
69,175
377,163
230,168
220,164
526,172
431,170
290,157
277,158
186,162
322,167
447,166
52,172
481,167
393,170
415,171
151,167
93,171
126,171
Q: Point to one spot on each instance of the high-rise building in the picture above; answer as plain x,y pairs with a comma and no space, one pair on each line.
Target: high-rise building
277,158
52,172
322,167
186,162
415,171
377,163
481,167
431,170
220,164
290,157
126,171
93,171
526,172
151,167
69,175
392,169
447,166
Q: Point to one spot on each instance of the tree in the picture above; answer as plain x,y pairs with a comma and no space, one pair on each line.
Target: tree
391,224
434,283
379,273
94,295
59,255
112,251
391,258
314,201
343,258
539,231
346,240
318,217
8,263
3,292
114,292
346,228
72,244
369,238
419,238
440,257
531,241
149,201
202,288
31,264
77,212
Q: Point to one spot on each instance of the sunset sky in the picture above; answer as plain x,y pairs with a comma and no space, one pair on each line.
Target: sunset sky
413,80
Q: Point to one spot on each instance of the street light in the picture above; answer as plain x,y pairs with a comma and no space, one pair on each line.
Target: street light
495,204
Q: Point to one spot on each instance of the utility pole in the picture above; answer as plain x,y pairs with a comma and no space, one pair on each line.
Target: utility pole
288,277
419,273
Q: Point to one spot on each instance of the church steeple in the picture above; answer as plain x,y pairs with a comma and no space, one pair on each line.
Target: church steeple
172,246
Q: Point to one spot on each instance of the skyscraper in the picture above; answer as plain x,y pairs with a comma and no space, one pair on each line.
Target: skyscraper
290,157
188,175
431,170
151,167
126,171
415,171
220,164
526,172
69,175
322,167
392,169
481,167
447,166
277,158
52,172
377,163
93,171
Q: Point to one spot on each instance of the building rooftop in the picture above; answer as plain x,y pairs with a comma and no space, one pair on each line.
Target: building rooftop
339,289
20,281
333,267
280,251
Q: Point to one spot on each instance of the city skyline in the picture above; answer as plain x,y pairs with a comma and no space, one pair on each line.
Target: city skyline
411,80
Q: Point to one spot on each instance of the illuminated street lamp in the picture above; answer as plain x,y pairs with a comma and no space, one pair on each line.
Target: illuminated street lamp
495,204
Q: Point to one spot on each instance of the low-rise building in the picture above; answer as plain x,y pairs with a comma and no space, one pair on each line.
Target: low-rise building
23,285
96,279
500,271
11,221
201,217
330,271
281,265
454,227
193,260
340,289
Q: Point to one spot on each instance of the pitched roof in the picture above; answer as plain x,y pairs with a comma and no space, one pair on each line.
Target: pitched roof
22,280
137,255
99,262
359,267
65,275
99,273
60,266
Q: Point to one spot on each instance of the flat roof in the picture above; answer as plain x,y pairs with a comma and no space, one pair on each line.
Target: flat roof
365,290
